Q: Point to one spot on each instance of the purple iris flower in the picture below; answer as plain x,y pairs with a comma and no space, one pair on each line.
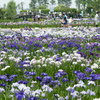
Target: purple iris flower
64,79
3,77
63,47
32,73
19,95
39,78
47,78
27,72
44,74
88,70
33,98
12,76
29,77
3,84
52,82
38,45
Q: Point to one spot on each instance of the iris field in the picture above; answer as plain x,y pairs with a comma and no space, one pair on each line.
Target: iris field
50,64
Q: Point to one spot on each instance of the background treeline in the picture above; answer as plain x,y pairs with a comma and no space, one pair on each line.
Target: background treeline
86,6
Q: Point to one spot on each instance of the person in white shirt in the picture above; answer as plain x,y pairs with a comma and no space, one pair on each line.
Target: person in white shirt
70,21
96,19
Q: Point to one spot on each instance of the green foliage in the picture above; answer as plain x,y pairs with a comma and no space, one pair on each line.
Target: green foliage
61,8
45,2
67,3
78,2
95,4
40,2
73,11
21,5
2,12
45,11
11,9
32,4
23,11
88,9
52,2
92,14
88,4
8,20
42,6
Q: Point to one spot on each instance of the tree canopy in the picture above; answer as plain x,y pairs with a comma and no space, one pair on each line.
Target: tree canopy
67,3
11,9
32,4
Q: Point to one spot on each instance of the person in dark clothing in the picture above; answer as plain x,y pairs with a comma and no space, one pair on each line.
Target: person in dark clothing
64,22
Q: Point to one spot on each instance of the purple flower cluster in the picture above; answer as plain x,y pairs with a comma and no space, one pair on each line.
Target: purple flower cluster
5,77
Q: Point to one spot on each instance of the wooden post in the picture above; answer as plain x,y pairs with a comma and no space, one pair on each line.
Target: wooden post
6,25
41,26
60,25
94,23
88,25
56,25
11,27
18,25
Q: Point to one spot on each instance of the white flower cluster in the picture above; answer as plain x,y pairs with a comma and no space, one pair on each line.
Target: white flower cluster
3,69
27,90
2,90
94,66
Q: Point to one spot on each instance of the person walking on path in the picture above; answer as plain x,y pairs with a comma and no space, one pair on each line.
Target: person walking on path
64,22
96,19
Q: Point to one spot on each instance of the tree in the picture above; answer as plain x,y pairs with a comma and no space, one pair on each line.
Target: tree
40,2
18,6
22,4
67,3
91,4
2,12
45,2
52,2
32,4
42,6
95,4
11,9
78,3
61,8
88,9
59,2
84,3
4,6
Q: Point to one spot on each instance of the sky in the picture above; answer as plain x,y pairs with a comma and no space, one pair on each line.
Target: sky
26,3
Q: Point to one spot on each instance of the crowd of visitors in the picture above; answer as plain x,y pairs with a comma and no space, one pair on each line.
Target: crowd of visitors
66,19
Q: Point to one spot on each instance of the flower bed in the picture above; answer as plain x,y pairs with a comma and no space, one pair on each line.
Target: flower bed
44,24
50,64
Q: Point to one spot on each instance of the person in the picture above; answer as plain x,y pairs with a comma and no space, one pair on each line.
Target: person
64,22
54,17
26,19
38,17
96,19
70,21
60,16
